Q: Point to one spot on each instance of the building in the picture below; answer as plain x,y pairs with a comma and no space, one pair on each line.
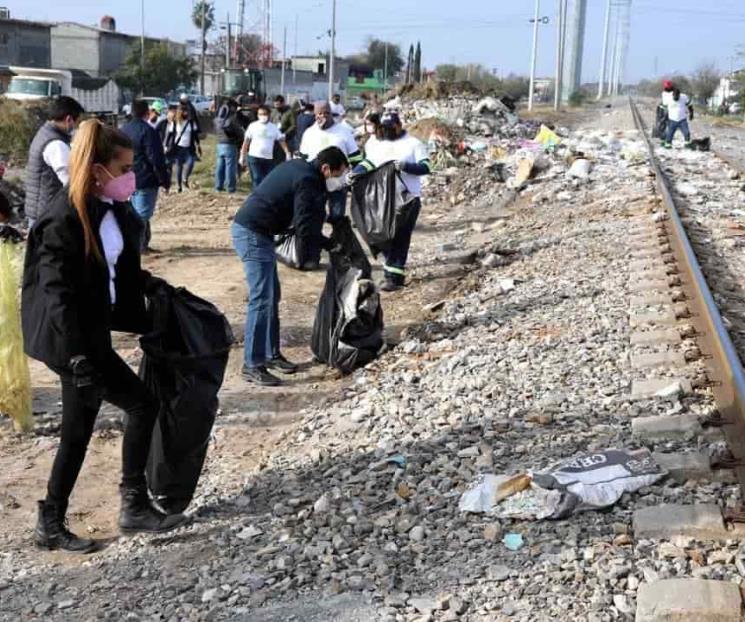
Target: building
100,51
24,43
726,92
365,81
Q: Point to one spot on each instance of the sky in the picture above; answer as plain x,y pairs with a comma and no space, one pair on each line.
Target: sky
667,36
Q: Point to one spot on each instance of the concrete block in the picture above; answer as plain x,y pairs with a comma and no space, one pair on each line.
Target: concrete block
651,337
666,427
649,360
638,284
651,273
682,467
652,298
645,265
665,315
688,600
702,521
647,253
664,388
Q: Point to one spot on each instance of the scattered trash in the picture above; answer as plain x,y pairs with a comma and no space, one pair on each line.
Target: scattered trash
513,541
586,482
524,171
548,138
580,169
700,144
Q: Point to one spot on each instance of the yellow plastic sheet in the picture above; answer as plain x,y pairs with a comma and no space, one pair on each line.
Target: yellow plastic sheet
15,379
547,137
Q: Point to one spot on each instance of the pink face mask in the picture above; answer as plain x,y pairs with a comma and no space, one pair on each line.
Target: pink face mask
120,188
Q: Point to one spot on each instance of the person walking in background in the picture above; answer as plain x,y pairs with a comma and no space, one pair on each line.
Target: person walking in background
285,118
229,138
293,195
305,119
185,102
82,279
182,145
258,143
49,155
337,108
325,133
157,120
151,171
412,159
679,107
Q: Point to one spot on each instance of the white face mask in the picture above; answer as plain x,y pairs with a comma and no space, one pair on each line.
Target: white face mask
334,184
263,119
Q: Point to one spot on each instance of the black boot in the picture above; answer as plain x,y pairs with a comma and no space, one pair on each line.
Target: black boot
52,532
138,514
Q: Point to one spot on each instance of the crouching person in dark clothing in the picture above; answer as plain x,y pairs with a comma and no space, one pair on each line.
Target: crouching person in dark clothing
292,195
82,279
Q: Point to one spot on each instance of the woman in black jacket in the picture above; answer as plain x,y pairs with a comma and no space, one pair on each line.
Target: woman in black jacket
82,279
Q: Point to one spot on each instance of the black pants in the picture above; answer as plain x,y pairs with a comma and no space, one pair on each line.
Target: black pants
120,386
395,258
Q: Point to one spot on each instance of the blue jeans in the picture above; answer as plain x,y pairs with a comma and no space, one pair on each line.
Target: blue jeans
143,201
395,258
184,160
674,126
226,170
337,205
256,251
260,168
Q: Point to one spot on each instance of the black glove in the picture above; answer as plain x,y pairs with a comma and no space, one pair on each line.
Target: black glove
8,233
152,282
83,372
327,243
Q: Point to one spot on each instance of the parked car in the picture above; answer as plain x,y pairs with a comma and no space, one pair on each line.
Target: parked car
201,103
127,108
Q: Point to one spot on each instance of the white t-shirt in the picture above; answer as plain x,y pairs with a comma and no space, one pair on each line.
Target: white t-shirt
677,110
113,245
337,110
405,149
184,132
316,140
56,155
262,137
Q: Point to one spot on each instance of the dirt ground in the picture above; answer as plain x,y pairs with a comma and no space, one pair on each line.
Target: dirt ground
192,241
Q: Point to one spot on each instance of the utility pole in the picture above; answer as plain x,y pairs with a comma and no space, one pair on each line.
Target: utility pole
614,58
204,37
534,55
227,46
333,49
284,62
385,67
559,59
294,74
142,47
604,57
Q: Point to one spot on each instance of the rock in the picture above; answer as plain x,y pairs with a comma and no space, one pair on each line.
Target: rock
417,534
423,605
492,532
209,595
65,604
498,573
322,505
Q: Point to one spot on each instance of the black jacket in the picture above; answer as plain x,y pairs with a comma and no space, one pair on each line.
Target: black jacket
66,307
149,159
292,195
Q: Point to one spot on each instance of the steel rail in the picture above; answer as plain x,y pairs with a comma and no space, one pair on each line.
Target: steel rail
726,371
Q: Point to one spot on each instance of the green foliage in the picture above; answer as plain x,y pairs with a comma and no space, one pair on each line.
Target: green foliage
705,81
18,125
577,98
209,15
417,77
163,72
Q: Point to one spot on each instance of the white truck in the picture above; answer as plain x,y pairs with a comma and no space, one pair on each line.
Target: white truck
96,95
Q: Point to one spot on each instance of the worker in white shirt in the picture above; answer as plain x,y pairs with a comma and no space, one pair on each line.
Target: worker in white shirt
325,133
337,108
49,156
259,143
678,109
410,154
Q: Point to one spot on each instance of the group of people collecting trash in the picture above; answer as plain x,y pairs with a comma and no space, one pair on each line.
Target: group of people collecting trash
91,190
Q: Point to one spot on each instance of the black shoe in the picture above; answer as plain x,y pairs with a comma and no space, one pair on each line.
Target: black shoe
52,533
281,364
260,375
389,285
180,189
139,515
186,183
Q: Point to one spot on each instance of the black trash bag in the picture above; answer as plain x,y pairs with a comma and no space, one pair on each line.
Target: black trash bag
348,329
700,144
186,354
286,247
660,122
381,204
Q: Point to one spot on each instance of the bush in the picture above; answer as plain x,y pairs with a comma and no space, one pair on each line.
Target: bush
18,125
577,98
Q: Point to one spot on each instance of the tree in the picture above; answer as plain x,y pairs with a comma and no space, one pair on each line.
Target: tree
163,71
446,72
418,63
410,65
203,16
705,81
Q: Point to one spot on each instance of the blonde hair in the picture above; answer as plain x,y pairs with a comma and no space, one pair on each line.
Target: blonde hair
95,143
